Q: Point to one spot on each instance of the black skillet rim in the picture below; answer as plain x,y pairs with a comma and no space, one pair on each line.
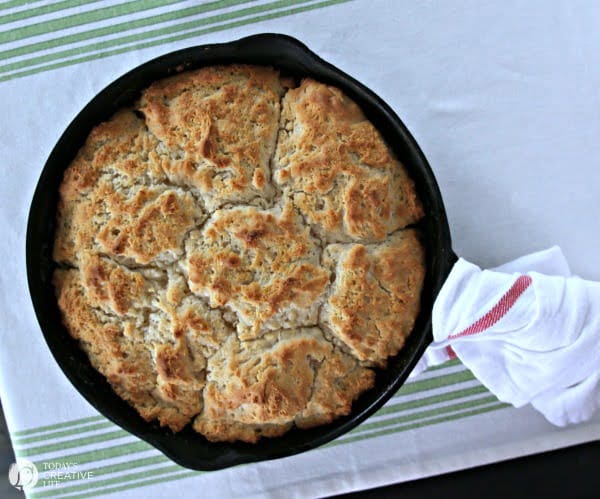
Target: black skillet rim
188,448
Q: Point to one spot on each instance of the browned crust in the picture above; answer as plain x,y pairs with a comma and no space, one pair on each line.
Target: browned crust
256,263
344,178
376,296
112,347
211,290
293,376
219,125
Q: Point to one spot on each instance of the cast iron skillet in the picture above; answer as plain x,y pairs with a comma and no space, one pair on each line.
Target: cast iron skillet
187,447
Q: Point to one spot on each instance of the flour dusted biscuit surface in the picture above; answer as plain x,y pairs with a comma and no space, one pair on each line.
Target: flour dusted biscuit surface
375,299
218,127
235,253
265,384
341,174
265,266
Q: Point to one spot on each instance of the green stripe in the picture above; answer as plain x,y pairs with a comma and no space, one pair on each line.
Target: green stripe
450,363
16,3
101,454
434,399
119,27
57,426
437,382
44,9
113,481
64,433
112,468
361,429
245,22
331,444
81,18
77,442
386,410
417,416
116,42
94,493
420,424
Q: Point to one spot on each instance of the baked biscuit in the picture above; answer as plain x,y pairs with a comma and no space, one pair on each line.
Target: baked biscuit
236,255
265,385
219,127
263,266
373,303
157,377
342,176
114,199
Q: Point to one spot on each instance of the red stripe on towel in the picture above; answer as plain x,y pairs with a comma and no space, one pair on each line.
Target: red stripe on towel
499,310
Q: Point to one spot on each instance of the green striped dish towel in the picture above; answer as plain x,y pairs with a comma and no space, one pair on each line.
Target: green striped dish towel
54,57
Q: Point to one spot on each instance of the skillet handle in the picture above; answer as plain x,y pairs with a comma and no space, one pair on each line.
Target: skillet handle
448,259
452,258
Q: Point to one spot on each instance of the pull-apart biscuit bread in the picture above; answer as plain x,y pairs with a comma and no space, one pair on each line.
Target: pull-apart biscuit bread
237,252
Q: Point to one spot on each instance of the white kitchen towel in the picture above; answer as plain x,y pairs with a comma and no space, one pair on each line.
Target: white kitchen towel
528,336
551,262
486,93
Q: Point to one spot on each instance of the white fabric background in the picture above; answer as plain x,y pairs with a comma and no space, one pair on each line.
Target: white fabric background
504,99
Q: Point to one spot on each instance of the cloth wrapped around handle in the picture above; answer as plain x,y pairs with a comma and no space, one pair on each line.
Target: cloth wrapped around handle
528,330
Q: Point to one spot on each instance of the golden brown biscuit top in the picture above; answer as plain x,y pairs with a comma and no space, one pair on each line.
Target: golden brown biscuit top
341,174
218,127
236,253
257,263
